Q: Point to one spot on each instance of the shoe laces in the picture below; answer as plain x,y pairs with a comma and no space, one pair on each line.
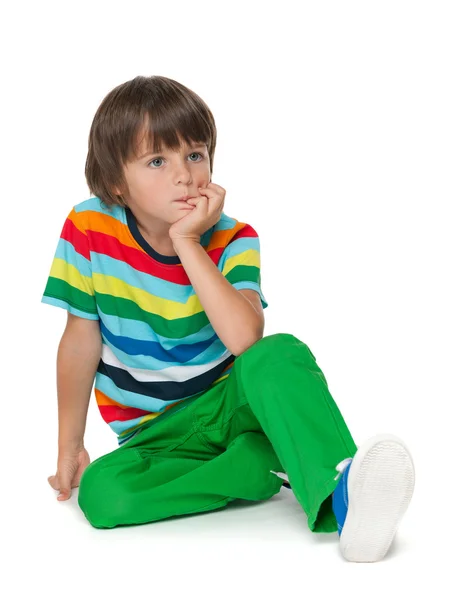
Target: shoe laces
281,475
339,467
342,466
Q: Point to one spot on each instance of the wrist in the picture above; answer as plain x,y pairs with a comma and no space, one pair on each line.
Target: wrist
70,446
185,241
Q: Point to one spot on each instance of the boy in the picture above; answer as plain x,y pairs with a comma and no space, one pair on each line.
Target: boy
165,311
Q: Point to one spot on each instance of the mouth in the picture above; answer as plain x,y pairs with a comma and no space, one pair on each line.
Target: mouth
183,198
183,205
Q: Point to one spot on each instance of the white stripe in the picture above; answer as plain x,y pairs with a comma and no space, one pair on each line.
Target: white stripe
176,373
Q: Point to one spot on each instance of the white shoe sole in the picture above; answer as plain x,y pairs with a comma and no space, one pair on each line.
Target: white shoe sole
380,486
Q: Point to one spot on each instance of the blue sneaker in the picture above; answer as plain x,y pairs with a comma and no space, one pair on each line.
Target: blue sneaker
371,497
340,494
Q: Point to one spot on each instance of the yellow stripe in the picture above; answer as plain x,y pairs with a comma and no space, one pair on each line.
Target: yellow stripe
220,379
61,269
250,257
141,422
169,309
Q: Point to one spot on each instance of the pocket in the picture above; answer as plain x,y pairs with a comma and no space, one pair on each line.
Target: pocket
145,451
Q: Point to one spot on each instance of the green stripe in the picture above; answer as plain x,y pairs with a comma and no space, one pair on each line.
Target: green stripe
175,328
127,309
244,273
61,290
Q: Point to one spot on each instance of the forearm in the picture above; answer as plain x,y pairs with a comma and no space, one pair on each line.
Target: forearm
232,316
77,363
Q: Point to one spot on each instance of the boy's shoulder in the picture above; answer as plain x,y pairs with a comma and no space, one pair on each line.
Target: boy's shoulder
89,214
93,214
94,204
228,230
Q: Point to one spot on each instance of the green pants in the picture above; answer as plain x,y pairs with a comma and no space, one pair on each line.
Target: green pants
273,413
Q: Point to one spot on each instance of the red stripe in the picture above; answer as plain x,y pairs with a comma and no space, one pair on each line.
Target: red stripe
138,259
109,245
115,413
246,231
79,240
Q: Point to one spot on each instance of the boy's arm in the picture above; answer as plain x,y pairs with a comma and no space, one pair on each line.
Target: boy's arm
79,353
234,317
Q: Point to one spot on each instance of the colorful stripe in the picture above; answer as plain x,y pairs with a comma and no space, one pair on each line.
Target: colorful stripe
159,347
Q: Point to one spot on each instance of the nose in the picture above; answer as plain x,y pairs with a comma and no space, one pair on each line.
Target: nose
182,172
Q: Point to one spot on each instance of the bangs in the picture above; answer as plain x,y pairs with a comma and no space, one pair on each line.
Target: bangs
165,127
143,115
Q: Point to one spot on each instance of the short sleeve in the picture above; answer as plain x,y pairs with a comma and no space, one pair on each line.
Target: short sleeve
241,262
69,284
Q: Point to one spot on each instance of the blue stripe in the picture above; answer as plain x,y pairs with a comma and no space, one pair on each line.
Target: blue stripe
147,362
67,252
178,354
119,426
106,265
101,263
225,222
94,204
251,285
237,247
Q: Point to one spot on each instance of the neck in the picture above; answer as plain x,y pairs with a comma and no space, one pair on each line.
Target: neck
159,242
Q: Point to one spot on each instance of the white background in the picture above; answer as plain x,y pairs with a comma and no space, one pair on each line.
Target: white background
333,143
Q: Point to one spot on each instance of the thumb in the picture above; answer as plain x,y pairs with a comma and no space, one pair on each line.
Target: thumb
65,489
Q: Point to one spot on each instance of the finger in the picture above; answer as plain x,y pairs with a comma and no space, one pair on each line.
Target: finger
195,199
64,495
212,195
213,188
53,481
206,192
198,201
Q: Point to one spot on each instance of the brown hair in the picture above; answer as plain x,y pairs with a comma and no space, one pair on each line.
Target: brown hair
163,109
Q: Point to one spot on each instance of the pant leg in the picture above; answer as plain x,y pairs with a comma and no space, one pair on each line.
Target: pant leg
274,412
170,469
279,382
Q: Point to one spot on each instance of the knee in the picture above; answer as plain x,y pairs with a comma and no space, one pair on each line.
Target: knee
99,497
278,347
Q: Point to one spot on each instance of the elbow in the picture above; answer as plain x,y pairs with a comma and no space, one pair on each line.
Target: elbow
249,342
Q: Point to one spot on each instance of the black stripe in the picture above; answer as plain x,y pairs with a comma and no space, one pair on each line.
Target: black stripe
163,390
162,258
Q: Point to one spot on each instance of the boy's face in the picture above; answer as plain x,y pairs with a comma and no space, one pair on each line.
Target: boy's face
156,181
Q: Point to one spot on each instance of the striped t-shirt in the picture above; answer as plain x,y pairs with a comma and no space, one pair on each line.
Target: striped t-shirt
158,345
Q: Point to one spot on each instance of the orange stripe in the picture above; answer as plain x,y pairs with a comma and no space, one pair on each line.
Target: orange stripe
104,400
111,226
220,239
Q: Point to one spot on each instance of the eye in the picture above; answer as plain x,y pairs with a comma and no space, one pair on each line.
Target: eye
199,153
161,158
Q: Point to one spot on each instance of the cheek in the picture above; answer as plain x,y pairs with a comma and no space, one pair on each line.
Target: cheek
147,182
205,176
